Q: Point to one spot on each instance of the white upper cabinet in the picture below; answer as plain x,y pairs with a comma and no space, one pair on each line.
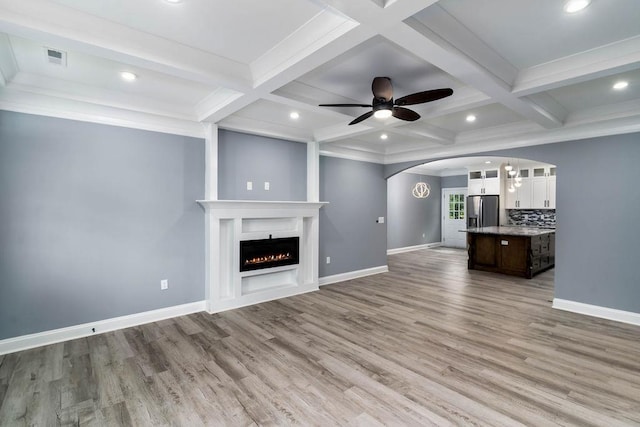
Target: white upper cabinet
484,181
543,187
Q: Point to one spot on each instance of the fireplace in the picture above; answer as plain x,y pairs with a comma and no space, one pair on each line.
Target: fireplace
268,253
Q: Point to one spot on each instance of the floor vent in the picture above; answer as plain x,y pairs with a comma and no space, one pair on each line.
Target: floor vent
56,57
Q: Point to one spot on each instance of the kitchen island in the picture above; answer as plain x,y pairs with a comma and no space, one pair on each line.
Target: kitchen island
518,251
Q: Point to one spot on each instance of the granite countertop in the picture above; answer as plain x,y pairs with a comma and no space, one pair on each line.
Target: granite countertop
511,231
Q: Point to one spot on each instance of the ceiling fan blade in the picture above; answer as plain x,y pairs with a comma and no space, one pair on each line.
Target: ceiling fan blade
361,118
405,114
382,88
345,105
422,97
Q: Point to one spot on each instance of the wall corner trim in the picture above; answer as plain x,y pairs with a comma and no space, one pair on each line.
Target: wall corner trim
413,248
327,280
597,311
25,342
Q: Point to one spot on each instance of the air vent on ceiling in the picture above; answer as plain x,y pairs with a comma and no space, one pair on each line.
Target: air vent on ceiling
56,57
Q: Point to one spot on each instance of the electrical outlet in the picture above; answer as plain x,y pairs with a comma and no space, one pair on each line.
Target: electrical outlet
267,185
380,220
164,284
249,185
328,260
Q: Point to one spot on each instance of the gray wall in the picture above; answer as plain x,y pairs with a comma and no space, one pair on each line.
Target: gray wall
243,157
349,233
412,221
597,201
454,181
92,217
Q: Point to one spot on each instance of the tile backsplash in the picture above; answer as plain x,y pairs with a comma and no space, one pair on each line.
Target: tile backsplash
532,217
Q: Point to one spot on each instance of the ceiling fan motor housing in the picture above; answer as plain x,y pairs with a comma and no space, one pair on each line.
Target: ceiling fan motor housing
382,104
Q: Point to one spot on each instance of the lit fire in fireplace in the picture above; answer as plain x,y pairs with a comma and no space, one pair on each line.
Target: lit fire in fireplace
268,258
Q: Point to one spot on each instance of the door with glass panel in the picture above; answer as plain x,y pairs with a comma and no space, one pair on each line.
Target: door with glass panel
453,217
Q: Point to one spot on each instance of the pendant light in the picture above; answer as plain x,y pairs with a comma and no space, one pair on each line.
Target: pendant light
508,168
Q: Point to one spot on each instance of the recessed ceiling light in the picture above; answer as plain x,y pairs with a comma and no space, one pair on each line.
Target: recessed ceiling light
173,1
128,76
471,118
573,6
488,162
620,85
384,136
294,115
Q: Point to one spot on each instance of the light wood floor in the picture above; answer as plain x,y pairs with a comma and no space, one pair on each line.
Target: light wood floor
428,343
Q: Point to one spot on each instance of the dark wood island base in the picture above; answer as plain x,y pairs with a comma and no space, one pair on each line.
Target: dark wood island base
518,251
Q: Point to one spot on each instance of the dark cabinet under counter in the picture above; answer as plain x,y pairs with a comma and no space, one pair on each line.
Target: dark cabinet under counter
518,251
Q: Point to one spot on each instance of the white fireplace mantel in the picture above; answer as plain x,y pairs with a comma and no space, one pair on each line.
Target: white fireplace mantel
222,206
228,222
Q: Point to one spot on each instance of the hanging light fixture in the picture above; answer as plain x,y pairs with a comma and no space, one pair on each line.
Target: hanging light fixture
508,168
518,178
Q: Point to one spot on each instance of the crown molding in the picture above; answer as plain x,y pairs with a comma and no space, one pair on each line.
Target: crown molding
45,105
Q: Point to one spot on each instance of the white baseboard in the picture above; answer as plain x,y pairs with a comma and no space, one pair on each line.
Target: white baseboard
327,280
259,298
413,248
25,342
597,311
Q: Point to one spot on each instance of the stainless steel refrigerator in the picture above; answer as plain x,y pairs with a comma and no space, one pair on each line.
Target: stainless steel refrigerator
483,211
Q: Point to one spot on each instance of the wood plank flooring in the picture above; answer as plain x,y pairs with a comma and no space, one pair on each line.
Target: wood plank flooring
428,343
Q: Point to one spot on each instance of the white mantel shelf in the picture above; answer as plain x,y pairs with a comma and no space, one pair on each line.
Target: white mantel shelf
258,204
228,222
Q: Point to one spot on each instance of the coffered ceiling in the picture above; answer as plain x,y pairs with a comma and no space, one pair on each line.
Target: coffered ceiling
528,71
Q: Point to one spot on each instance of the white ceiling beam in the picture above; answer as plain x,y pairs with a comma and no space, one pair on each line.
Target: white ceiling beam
440,22
258,127
44,20
603,61
325,27
425,130
340,131
46,105
367,13
463,99
8,66
432,48
576,129
304,65
95,95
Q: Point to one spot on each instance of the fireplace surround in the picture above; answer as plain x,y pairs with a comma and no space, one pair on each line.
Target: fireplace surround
228,223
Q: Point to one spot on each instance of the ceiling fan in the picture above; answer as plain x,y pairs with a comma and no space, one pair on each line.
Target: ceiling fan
383,105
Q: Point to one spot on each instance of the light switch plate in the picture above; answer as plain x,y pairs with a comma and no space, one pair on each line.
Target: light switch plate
249,185
267,185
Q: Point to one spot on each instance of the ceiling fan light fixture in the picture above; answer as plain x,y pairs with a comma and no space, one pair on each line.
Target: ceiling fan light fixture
382,114
573,6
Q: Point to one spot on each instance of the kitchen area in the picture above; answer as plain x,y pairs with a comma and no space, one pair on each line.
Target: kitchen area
510,217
